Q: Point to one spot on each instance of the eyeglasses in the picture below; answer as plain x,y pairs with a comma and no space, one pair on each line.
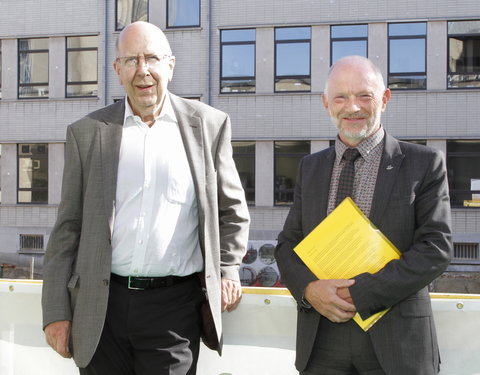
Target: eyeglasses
152,61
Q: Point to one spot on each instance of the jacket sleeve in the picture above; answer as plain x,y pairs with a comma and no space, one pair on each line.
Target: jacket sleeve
427,253
233,213
64,238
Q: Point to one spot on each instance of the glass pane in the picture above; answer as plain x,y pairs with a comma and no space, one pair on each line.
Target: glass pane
293,59
33,67
404,29
349,31
35,91
346,48
0,69
183,13
32,44
244,156
464,54
464,27
407,55
244,35
463,81
82,90
292,84
82,42
129,11
407,82
82,66
238,85
238,60
292,33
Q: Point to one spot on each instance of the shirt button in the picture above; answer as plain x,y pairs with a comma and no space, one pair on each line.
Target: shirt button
105,282
140,242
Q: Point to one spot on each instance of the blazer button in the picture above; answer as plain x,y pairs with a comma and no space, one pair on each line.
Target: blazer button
106,282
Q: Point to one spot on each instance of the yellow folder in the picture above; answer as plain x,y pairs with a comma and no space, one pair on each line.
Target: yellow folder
344,245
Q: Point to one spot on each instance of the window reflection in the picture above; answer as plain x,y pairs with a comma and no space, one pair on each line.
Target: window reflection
82,66
292,59
33,173
183,13
129,11
464,54
348,40
33,68
237,61
244,156
287,157
407,56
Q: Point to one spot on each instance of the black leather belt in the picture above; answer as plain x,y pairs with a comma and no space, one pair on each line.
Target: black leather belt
144,283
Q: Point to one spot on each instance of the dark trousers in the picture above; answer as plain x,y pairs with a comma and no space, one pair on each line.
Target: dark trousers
150,332
342,349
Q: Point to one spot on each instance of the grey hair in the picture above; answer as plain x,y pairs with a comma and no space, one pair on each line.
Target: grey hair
356,59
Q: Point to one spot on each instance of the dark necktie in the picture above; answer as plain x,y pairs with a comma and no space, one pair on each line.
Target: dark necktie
345,183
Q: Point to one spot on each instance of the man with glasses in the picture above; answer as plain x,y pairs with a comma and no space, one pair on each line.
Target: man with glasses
151,229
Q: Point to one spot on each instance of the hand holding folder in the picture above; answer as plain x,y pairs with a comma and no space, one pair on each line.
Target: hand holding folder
344,245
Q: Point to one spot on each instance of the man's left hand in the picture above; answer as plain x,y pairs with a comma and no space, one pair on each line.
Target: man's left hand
231,294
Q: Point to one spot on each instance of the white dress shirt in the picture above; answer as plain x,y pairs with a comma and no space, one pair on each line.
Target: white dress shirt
156,217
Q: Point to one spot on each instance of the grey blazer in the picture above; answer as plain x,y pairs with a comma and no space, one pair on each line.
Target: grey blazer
78,257
411,207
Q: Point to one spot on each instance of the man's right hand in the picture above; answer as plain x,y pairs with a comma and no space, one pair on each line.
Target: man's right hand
324,297
57,335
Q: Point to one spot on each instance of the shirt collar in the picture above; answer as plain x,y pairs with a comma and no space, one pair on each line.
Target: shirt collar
166,114
365,147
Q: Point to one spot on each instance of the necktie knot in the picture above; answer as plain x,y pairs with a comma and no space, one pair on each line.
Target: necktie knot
351,154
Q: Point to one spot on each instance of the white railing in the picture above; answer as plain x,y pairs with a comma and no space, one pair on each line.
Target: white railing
259,335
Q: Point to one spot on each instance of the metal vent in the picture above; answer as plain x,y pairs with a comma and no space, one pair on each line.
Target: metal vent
31,242
466,250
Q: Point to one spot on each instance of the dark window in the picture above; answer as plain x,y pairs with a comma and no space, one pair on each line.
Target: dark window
33,68
464,54
407,55
0,69
33,173
183,13
238,61
463,165
244,156
348,40
287,157
31,242
82,57
129,11
292,59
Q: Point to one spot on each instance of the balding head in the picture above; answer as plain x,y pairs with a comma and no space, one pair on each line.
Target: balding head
140,31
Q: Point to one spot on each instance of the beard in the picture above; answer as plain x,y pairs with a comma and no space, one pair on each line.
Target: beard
357,133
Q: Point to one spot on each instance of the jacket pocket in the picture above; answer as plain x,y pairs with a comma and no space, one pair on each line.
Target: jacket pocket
416,307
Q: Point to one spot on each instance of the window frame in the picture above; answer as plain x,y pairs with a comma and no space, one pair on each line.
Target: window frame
448,57
276,77
117,28
347,39
78,83
238,78
32,51
32,189
407,37
184,26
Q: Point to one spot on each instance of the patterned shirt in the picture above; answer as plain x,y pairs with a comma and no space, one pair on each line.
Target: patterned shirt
366,171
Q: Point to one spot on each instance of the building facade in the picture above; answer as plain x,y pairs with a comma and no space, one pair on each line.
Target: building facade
262,62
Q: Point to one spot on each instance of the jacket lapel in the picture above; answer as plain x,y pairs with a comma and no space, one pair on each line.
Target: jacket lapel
110,140
387,176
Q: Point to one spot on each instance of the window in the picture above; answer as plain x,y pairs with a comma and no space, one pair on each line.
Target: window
0,69
183,13
348,40
31,242
244,156
0,173
238,61
33,173
407,55
287,157
129,11
463,166
464,54
33,68
292,59
82,66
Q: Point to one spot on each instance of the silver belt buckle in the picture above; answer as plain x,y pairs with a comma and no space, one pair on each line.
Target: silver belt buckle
131,287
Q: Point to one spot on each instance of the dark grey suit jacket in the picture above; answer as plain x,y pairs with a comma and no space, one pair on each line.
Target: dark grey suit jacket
411,207
79,252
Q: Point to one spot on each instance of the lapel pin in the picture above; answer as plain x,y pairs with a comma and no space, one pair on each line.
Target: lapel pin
389,167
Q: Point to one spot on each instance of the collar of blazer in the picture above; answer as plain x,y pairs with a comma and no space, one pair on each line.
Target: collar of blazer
190,125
